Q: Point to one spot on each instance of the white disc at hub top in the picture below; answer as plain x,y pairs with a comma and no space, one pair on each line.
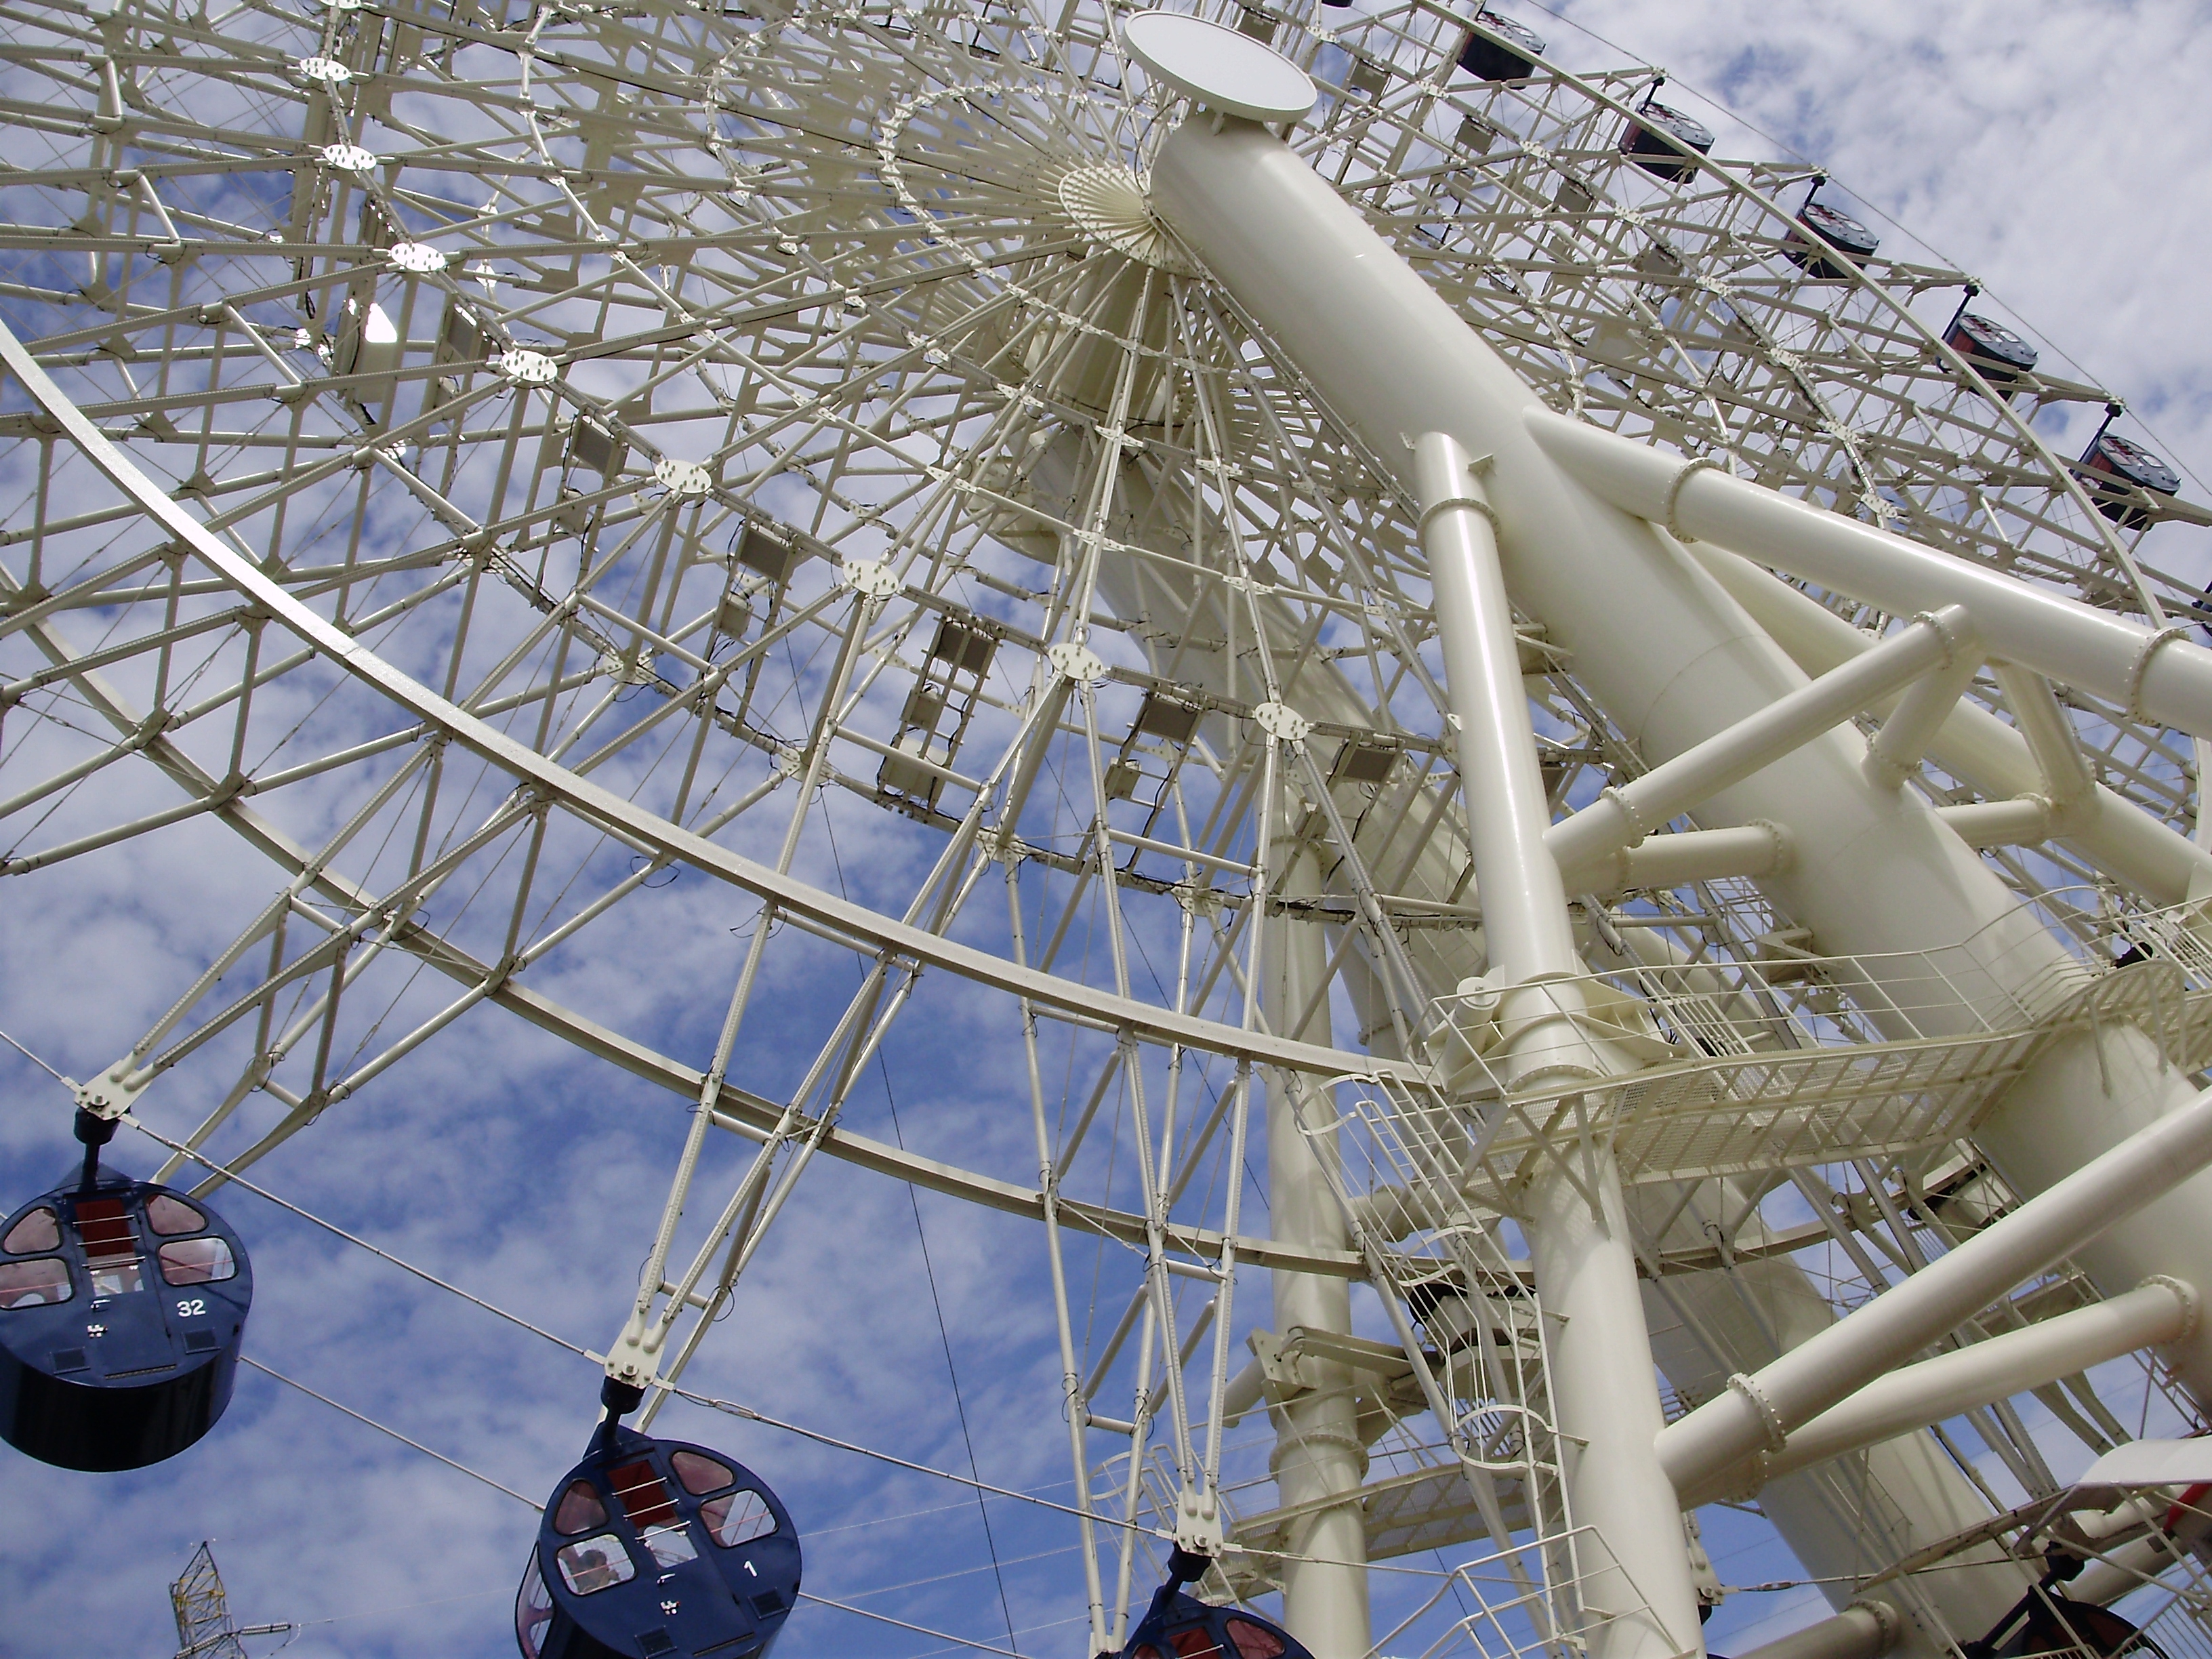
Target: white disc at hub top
1218,67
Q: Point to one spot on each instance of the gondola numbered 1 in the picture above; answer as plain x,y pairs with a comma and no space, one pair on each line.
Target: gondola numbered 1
652,1548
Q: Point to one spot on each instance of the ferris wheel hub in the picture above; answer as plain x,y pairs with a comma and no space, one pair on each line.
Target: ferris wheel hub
1111,205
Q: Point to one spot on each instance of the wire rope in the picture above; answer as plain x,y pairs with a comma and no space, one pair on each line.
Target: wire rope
68,1083
383,1428
331,1227
729,1407
929,1271
967,1642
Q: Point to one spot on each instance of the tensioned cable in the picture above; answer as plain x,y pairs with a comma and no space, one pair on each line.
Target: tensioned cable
751,1414
385,1428
805,1595
728,1407
945,1338
423,1274
1027,1630
929,1270
733,1409
920,1630
960,1572
404,1607
911,1515
68,1083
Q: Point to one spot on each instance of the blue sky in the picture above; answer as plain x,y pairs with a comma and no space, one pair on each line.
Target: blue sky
2055,152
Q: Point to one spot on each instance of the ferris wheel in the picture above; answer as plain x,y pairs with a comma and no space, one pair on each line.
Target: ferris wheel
1405,744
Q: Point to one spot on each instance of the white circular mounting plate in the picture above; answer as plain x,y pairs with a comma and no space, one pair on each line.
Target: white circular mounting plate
686,478
418,258
1077,662
1282,722
1221,69
350,158
328,70
871,577
530,368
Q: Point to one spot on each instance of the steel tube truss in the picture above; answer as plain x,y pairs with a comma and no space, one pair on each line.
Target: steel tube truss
1759,1411
2160,672
1972,743
496,461
1964,1379
1625,814
1661,648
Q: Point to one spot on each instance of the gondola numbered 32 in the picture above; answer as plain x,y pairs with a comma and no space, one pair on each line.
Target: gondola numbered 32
1180,1626
651,1548
123,1308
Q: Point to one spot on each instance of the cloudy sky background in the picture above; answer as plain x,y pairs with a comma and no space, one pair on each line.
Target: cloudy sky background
2057,153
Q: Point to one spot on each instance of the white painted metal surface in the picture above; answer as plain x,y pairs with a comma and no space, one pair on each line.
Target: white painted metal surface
1761,1410
969,438
1607,1413
1933,1390
1863,1631
1220,68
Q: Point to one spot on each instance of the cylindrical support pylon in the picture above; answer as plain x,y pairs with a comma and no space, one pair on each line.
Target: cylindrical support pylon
1673,658
1318,1453
1604,1395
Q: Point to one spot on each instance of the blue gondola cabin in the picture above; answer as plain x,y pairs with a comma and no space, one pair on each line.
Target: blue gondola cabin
122,1311
654,1547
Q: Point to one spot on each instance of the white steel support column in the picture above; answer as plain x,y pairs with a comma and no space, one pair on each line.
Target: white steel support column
1318,1452
1524,904
1604,1396
1673,658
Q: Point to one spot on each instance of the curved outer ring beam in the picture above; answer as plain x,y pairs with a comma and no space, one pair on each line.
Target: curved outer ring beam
739,1110
602,806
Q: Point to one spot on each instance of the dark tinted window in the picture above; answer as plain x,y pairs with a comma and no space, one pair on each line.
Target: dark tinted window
34,1283
580,1508
197,1262
38,1231
737,1518
596,1564
167,1215
533,1610
701,1474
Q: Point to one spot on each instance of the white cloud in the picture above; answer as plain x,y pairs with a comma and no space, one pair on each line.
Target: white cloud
2047,150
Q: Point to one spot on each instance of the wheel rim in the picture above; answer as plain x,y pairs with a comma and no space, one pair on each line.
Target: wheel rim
835,395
